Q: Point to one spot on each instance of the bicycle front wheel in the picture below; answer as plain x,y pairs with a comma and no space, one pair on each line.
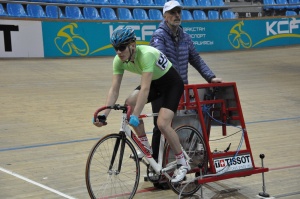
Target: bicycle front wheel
110,170
192,142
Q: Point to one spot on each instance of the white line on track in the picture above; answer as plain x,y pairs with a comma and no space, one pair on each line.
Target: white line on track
35,183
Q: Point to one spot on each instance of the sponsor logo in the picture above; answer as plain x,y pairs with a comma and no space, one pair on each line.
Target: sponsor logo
141,31
282,27
238,163
287,28
68,40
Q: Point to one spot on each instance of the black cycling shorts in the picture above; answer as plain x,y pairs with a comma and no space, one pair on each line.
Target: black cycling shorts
169,87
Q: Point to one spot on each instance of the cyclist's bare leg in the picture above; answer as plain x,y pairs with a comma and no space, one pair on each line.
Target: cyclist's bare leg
140,129
164,121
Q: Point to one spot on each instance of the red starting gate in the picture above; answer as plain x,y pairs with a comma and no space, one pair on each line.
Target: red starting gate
218,104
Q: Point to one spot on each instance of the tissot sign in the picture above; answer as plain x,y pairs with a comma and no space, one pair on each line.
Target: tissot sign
239,162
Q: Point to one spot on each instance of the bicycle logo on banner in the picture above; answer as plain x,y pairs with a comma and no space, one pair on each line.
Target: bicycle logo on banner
237,37
66,43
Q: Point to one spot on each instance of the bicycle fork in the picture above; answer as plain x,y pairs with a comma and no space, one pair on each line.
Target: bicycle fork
120,141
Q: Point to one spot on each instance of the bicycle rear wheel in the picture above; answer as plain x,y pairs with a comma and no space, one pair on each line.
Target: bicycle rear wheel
110,172
192,142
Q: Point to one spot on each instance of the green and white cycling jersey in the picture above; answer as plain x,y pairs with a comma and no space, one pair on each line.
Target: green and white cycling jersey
147,59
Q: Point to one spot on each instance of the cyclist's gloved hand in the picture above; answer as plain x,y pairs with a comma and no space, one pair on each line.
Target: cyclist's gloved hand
134,121
101,119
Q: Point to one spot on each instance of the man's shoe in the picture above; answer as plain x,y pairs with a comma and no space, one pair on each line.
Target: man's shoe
180,173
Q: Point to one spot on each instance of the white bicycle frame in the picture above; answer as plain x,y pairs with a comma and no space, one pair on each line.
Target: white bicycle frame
157,166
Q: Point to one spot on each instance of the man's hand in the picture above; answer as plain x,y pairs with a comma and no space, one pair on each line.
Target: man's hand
216,80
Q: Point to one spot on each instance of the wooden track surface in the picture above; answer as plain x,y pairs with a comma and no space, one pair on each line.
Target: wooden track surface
46,131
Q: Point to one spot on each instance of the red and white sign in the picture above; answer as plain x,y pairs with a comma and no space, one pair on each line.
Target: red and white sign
228,164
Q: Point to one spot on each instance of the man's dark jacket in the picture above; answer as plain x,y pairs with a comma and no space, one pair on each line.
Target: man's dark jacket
180,52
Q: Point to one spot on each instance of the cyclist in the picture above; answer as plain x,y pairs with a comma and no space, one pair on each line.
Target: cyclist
158,80
178,46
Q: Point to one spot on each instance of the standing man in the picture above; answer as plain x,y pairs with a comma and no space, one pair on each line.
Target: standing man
178,46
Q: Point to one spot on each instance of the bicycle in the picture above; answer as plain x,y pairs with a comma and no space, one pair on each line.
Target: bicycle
113,169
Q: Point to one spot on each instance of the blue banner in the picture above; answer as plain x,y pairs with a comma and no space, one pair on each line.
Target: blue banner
88,38
244,34
69,39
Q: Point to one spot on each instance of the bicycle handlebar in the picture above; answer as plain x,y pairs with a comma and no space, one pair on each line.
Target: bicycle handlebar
125,109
